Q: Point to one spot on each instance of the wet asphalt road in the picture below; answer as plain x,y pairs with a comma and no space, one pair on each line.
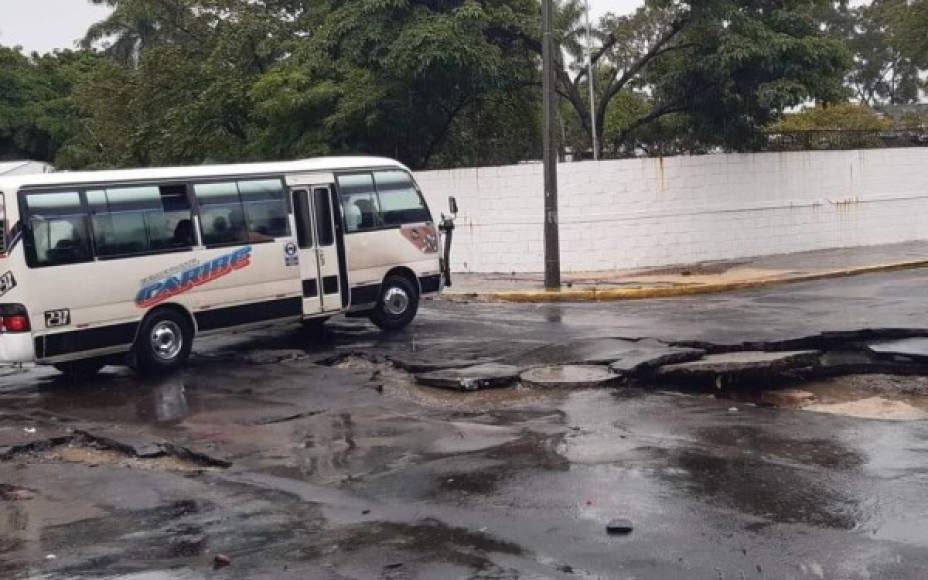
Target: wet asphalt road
349,470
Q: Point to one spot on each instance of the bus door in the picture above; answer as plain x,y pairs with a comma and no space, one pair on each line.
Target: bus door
326,249
320,268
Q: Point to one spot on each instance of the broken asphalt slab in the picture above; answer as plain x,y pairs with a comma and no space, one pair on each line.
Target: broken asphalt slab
20,434
913,348
472,378
417,363
16,440
625,355
645,359
125,442
743,363
648,354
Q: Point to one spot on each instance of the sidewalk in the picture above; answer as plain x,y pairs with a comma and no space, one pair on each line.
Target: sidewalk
703,278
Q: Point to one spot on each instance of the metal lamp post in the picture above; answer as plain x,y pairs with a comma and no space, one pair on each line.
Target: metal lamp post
590,75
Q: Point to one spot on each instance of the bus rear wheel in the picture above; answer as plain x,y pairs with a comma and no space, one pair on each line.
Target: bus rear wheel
164,342
398,303
81,369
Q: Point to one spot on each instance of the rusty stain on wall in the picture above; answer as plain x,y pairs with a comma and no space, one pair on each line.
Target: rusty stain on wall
846,206
661,178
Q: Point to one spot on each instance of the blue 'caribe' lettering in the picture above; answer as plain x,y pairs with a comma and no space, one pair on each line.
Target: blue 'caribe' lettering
159,291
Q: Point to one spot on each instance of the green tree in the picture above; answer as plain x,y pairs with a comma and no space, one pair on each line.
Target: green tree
728,66
237,79
136,25
185,98
881,71
37,111
909,22
397,78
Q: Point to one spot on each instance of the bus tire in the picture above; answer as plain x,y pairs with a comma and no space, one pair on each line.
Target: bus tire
81,369
397,305
164,342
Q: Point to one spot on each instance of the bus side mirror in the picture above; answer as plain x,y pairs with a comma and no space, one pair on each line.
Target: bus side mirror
453,205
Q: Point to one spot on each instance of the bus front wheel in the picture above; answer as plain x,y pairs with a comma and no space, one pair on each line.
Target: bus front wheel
398,303
164,342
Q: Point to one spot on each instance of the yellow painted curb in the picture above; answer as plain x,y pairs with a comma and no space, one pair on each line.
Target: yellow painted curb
596,294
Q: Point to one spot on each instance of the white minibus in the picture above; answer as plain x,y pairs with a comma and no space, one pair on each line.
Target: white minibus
106,267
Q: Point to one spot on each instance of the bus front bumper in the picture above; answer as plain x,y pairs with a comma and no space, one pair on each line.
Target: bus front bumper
17,347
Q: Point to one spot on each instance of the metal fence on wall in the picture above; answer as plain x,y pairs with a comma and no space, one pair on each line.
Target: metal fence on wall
822,139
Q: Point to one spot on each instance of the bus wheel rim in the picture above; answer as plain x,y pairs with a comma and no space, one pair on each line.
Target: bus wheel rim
167,340
395,301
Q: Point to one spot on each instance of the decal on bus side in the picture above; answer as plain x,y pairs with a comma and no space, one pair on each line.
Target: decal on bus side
159,290
54,318
7,283
291,255
425,238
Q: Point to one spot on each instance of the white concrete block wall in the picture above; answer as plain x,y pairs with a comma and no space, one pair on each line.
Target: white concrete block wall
656,212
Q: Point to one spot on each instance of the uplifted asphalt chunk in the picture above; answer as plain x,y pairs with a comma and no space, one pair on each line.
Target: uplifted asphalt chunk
141,447
912,348
741,363
583,351
572,376
273,356
471,378
126,442
422,363
21,434
649,354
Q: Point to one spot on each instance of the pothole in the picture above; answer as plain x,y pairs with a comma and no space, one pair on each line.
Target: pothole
865,396
399,384
851,380
94,457
356,360
112,449
879,408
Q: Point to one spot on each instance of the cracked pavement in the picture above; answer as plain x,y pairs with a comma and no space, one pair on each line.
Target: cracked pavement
298,456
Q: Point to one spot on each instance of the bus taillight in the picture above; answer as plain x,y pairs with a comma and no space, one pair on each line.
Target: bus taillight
13,318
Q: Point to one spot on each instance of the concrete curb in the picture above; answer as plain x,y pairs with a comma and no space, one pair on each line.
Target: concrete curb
597,294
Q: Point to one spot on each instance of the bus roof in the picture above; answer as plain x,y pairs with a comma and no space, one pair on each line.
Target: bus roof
16,182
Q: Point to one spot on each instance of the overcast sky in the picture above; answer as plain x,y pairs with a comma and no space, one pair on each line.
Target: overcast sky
45,25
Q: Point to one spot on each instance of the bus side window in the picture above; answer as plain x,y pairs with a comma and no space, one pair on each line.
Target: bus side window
138,220
400,202
58,231
243,211
221,215
266,210
359,202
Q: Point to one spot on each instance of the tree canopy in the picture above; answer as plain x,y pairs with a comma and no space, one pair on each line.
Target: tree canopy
442,83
